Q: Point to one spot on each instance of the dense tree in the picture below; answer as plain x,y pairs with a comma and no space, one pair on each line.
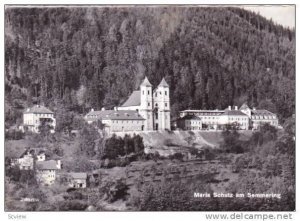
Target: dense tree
82,58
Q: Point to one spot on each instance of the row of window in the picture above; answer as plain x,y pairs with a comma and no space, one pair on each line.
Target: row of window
194,122
44,115
156,105
127,121
166,93
237,119
210,118
263,117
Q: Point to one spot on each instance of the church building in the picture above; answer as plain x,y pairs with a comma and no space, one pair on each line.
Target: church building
153,104
146,109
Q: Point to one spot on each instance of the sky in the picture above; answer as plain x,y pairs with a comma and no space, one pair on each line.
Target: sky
280,14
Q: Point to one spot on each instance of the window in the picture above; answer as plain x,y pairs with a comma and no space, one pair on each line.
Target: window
166,104
156,116
143,92
148,104
156,104
148,92
156,94
166,93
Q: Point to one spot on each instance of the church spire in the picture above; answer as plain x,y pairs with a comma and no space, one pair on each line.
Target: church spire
163,83
146,82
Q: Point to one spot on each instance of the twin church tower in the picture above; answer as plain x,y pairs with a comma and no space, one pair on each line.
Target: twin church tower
152,104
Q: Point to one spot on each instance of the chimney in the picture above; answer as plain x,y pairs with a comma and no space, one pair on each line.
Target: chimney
236,107
92,110
254,108
229,107
58,164
28,109
103,108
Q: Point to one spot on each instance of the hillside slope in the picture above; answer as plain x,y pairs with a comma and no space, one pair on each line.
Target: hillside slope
167,143
73,59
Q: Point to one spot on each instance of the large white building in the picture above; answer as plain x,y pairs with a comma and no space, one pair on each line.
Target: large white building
243,118
259,117
146,109
33,117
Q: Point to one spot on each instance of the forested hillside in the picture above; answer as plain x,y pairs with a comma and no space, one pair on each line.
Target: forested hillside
73,59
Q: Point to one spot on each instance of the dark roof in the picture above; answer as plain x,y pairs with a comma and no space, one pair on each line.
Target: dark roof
78,175
133,100
190,117
234,112
261,112
14,151
38,109
146,83
244,106
163,83
46,165
202,111
114,115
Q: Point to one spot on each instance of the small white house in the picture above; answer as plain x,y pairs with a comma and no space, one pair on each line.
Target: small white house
77,180
32,118
46,171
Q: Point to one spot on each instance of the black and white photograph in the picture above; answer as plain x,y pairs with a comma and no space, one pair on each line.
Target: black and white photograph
149,108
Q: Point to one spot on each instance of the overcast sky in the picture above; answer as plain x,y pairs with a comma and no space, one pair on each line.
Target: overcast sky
284,15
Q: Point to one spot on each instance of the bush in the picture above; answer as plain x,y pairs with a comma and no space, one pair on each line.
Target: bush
14,135
176,156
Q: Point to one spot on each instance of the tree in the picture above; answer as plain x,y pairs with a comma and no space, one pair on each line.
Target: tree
64,121
231,142
114,147
87,136
45,127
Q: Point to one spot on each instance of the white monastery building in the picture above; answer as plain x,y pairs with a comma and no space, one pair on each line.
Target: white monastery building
32,118
243,118
146,109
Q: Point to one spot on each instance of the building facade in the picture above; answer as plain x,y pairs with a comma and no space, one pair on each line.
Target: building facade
77,180
33,117
46,171
117,120
259,117
189,122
